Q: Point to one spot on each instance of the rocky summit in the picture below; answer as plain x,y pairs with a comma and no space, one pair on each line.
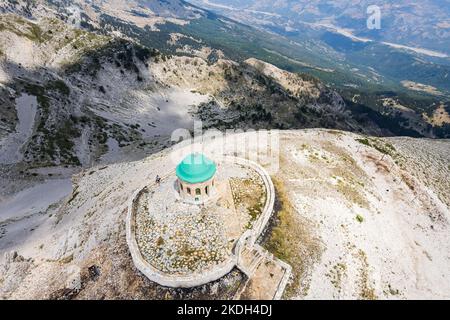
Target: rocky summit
341,190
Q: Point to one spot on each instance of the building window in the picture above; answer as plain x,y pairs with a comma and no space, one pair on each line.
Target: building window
181,186
188,190
198,191
206,190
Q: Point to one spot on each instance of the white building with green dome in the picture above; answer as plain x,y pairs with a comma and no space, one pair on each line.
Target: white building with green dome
196,178
201,221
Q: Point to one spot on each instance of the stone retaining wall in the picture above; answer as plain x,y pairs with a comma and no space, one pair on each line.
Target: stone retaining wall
162,278
248,238
283,283
287,272
263,219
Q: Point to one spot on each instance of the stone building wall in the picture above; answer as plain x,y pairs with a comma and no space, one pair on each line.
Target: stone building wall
192,196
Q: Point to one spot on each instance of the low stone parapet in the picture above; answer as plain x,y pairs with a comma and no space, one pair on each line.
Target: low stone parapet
163,278
247,239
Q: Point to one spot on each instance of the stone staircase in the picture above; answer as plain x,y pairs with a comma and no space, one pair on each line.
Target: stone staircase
267,276
250,259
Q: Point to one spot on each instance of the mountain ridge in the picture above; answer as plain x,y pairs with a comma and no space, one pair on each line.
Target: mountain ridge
88,104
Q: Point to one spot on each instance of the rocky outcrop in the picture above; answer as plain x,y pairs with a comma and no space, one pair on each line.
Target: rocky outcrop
12,272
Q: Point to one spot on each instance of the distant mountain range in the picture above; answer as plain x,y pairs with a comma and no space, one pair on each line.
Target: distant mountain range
347,83
422,24
407,60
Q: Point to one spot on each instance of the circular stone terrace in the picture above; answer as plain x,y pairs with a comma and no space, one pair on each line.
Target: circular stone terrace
178,244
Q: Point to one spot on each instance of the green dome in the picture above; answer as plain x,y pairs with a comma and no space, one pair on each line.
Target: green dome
196,168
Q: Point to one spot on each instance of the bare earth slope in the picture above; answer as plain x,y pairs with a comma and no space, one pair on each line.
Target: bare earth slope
382,228
354,219
98,98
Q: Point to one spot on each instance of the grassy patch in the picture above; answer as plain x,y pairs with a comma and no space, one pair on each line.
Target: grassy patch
58,138
366,291
58,85
290,239
62,139
378,144
160,242
336,274
66,259
352,193
23,28
36,34
40,94
250,195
